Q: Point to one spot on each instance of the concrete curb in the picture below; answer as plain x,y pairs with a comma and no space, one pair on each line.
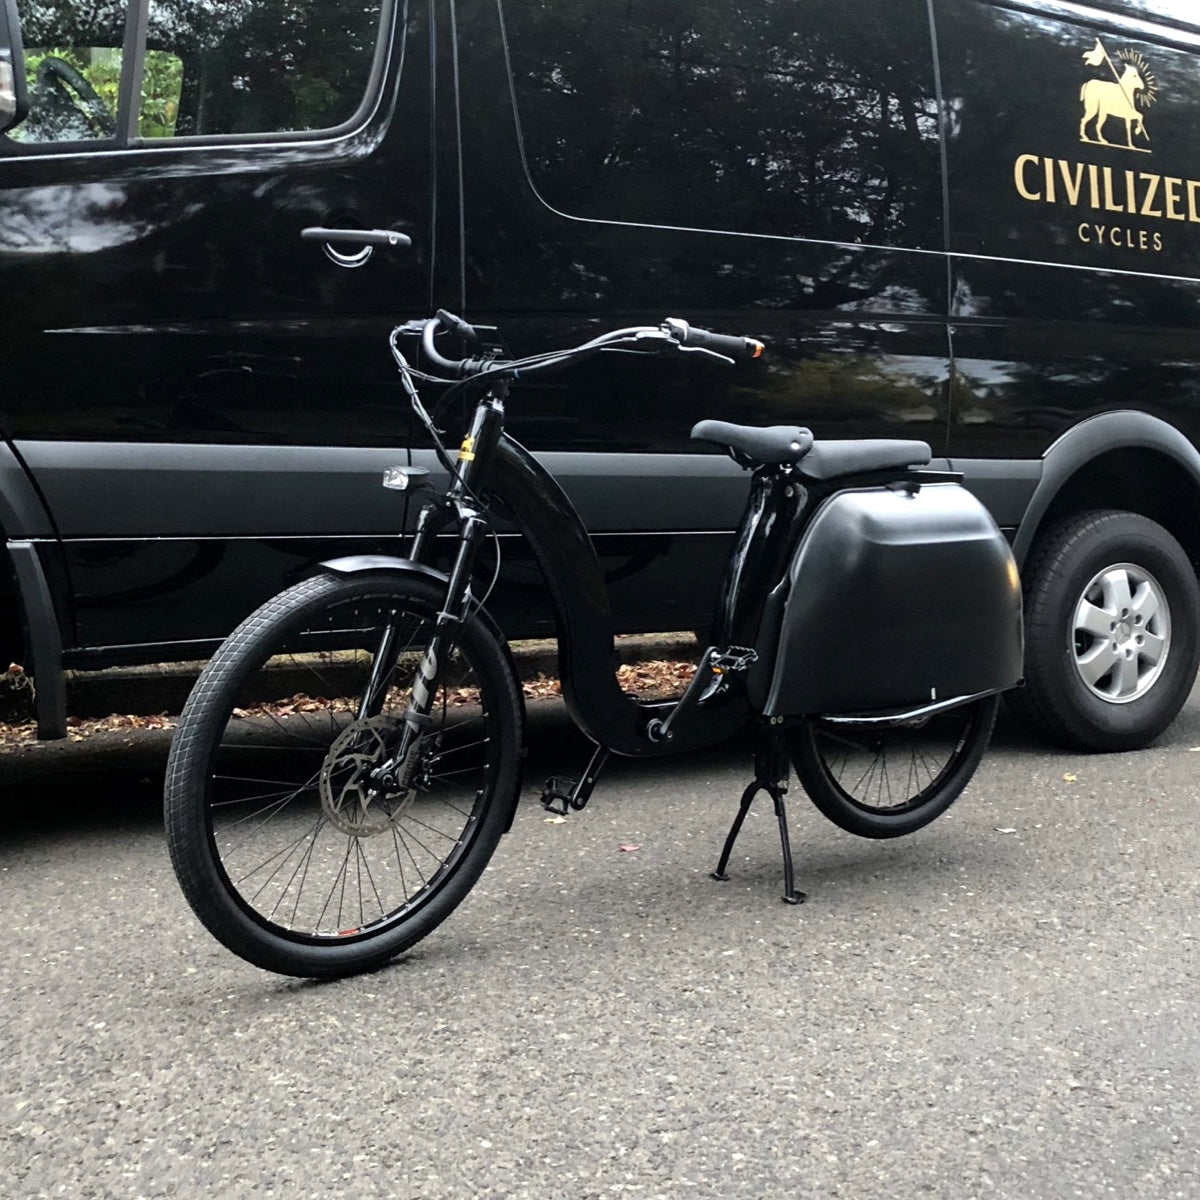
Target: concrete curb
145,691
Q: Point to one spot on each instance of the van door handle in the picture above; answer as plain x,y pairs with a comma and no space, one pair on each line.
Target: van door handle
360,243
356,237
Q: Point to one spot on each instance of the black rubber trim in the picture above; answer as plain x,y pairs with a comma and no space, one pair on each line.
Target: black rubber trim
1122,430
43,641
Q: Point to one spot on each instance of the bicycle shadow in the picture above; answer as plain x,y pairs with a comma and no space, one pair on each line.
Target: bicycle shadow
111,781
63,790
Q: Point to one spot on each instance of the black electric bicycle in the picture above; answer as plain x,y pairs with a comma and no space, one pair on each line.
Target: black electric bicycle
348,761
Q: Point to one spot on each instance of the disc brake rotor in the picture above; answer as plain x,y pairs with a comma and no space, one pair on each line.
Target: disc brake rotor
345,779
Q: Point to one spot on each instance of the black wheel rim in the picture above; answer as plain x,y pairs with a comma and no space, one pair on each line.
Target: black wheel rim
896,769
298,849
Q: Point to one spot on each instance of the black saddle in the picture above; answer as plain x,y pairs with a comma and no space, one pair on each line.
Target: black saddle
774,445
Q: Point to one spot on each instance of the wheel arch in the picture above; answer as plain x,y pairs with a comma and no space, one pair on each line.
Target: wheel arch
1122,460
26,594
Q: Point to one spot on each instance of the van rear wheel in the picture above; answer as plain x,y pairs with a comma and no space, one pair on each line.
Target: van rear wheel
1112,632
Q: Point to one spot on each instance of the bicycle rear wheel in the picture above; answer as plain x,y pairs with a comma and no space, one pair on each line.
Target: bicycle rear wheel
279,849
881,783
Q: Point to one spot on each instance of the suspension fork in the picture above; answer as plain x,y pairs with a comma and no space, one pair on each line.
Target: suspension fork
395,774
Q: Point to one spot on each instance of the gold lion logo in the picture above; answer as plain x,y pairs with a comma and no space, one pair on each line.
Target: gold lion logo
1131,89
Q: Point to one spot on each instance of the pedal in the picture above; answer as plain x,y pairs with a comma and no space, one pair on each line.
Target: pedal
733,660
561,795
557,793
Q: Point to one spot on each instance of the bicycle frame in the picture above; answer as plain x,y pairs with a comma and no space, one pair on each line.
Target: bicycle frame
493,461
731,680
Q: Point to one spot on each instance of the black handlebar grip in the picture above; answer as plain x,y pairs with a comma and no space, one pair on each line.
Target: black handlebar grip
355,237
720,343
455,324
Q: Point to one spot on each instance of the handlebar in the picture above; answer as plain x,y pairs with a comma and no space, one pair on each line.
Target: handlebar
673,334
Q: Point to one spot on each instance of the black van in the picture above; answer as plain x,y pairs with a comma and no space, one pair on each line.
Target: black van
975,222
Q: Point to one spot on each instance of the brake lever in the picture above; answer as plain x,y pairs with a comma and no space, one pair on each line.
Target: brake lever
724,358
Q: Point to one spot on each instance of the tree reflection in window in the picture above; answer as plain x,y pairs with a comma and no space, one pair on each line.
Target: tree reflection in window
814,119
210,66
267,66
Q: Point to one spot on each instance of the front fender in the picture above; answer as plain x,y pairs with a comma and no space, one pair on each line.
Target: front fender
357,564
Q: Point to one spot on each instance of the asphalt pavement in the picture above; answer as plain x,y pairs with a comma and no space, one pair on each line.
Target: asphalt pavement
1003,1005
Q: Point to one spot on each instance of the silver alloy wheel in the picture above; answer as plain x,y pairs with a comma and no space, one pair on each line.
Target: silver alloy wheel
1122,633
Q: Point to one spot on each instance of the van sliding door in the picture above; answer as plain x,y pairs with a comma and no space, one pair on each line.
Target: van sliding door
770,169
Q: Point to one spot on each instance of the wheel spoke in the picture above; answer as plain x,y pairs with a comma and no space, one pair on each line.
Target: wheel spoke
1118,598
1146,602
1125,677
1152,648
1093,620
1097,663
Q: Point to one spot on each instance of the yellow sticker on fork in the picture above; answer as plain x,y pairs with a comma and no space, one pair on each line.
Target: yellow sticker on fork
466,452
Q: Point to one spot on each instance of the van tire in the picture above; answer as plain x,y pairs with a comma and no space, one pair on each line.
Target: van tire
1082,571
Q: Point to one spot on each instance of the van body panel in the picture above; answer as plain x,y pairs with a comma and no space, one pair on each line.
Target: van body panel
1075,241
856,325
970,222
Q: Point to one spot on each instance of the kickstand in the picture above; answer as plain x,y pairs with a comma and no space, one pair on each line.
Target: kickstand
770,776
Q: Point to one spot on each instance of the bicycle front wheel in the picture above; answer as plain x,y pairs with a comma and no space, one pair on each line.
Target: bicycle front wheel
881,783
278,844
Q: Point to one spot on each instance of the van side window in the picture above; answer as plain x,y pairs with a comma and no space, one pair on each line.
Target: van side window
73,61
238,68
815,119
260,66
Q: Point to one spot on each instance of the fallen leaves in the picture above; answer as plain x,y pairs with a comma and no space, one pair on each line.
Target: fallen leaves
657,679
654,680
541,687
81,729
288,706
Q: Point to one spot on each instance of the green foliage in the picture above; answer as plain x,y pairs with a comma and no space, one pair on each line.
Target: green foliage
100,66
162,84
